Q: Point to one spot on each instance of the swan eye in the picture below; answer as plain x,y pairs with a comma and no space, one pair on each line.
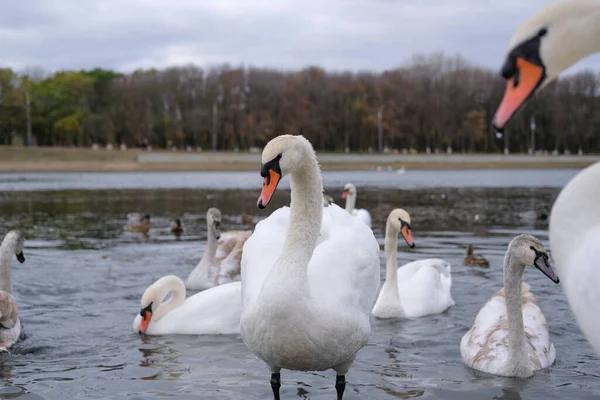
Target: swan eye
271,165
147,308
538,254
404,223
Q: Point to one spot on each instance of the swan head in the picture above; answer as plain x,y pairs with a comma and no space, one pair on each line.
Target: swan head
529,251
399,221
153,297
327,200
213,220
283,155
150,302
541,48
15,240
349,189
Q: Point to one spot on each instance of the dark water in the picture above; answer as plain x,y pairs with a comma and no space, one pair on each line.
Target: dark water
80,287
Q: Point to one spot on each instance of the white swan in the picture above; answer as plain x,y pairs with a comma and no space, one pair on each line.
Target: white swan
211,312
574,236
545,45
510,335
349,194
416,289
221,260
310,274
542,48
10,324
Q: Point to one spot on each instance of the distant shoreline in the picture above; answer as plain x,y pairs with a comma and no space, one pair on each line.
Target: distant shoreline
19,159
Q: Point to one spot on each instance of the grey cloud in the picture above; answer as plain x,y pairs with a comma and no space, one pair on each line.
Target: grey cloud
336,34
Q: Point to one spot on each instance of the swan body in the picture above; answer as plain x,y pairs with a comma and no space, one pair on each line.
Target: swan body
544,46
419,288
215,311
510,334
10,324
310,274
574,236
349,194
221,260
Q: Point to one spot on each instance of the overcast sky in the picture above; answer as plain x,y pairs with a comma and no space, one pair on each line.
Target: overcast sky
335,34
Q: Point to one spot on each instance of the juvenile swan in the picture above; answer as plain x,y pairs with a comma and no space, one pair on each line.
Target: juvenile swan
419,288
10,324
310,274
222,256
510,335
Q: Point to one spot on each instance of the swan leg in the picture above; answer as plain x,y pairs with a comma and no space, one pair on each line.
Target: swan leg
340,385
275,384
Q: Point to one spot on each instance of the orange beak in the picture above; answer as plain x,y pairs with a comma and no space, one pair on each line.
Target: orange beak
516,95
269,185
407,236
344,194
145,321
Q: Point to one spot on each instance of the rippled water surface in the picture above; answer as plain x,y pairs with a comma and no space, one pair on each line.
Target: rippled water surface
80,287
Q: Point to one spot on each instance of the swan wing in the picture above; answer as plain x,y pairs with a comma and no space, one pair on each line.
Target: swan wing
485,346
9,311
260,252
344,271
225,245
424,287
540,347
230,265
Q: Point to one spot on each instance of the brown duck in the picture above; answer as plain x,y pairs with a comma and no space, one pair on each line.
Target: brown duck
475,259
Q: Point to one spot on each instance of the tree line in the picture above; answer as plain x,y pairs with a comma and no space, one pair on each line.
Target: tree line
434,103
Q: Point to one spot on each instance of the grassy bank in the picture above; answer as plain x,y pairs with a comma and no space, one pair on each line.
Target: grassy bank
18,159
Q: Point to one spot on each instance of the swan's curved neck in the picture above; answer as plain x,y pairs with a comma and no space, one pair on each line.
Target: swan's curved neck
177,298
210,252
513,273
306,213
350,201
7,252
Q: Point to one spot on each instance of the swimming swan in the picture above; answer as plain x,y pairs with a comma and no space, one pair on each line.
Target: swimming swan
211,312
543,47
349,194
510,335
10,324
220,262
310,274
419,288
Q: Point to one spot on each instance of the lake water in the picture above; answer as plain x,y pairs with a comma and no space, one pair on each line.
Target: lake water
80,288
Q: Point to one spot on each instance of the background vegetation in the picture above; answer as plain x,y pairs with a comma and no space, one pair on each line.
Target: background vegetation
435,102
